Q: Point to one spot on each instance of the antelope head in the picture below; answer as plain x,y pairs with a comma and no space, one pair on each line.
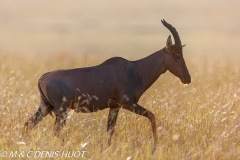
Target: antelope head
173,56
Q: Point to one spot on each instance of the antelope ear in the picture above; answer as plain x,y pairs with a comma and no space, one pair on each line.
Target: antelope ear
169,42
183,45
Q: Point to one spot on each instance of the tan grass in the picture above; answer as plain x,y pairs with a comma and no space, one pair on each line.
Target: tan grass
197,121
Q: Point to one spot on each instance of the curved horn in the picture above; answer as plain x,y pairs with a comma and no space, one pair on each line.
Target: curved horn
174,33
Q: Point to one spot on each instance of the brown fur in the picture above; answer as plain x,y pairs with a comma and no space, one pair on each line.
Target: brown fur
116,83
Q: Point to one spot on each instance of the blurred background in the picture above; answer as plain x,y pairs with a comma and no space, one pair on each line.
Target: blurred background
131,29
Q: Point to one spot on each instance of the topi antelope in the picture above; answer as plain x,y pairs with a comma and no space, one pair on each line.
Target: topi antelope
116,83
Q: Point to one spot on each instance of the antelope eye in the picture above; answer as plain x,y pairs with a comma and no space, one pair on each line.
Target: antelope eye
178,57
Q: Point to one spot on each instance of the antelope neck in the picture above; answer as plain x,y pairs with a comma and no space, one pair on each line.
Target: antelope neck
150,68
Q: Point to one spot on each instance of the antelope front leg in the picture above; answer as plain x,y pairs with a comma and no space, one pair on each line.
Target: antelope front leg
135,108
112,118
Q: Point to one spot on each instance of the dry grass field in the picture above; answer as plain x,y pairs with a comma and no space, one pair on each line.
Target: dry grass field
195,121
